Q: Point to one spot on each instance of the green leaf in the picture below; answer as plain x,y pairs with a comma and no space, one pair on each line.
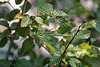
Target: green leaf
83,34
27,46
40,2
72,63
4,63
96,24
14,26
17,37
21,63
51,20
68,39
87,25
39,20
55,60
11,15
39,61
94,62
62,42
46,8
15,46
1,15
18,1
52,49
40,40
3,42
64,28
46,61
28,6
25,21
23,31
4,23
3,2
58,13
5,34
84,62
76,60
61,20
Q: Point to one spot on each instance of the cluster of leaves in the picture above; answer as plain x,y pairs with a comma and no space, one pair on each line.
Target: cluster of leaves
31,26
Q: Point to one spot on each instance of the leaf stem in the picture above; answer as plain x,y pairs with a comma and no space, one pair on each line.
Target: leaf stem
14,35
47,34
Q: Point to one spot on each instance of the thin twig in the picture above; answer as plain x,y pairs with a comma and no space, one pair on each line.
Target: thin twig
72,38
14,35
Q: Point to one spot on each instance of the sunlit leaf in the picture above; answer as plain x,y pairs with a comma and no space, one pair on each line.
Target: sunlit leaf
39,20
86,46
58,13
96,24
19,16
45,9
25,21
55,60
52,49
83,34
62,42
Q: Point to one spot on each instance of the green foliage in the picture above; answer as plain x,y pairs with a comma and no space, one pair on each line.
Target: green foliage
23,31
80,52
11,15
73,62
21,63
4,63
28,6
4,34
54,60
94,62
62,42
1,15
27,46
39,20
47,8
4,23
18,1
40,41
3,42
83,34
25,21
52,49
14,26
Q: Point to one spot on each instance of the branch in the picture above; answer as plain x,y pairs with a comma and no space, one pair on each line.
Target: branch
72,38
14,35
